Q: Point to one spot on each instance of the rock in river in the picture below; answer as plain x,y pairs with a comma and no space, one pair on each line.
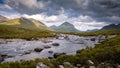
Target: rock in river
47,47
50,52
58,54
38,49
1,59
55,44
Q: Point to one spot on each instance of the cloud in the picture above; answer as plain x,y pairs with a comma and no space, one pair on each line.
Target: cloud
100,10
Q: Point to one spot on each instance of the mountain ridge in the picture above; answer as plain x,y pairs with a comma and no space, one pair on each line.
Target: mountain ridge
111,27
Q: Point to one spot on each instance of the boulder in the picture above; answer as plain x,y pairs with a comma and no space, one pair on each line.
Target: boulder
58,54
92,39
27,52
38,49
67,65
55,44
90,62
41,65
47,47
50,52
1,59
61,66
50,57
78,51
79,65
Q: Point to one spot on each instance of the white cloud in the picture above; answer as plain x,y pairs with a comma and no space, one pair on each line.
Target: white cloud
48,20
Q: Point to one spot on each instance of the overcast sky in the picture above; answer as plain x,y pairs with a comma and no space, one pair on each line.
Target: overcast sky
84,14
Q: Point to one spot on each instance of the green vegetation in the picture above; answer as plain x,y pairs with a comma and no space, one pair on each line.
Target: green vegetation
100,32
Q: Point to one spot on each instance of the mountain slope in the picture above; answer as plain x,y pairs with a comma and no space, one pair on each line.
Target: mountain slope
26,23
65,27
2,18
111,27
24,28
53,27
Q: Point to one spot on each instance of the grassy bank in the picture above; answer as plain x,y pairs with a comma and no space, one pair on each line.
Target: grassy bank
100,32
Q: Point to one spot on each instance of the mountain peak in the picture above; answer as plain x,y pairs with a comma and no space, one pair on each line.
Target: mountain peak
67,24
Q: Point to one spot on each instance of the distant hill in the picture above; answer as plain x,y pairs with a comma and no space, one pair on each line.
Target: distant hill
53,27
24,28
2,18
92,30
65,27
111,27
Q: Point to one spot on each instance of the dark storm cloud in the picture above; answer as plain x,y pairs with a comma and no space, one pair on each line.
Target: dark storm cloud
100,10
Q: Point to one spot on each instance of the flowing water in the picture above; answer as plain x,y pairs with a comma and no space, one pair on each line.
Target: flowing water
24,50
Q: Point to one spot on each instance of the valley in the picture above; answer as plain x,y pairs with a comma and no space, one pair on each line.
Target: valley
26,42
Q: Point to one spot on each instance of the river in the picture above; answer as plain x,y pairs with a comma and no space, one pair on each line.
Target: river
24,50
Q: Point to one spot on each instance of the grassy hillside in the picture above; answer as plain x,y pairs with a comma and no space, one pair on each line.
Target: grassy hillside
24,28
25,33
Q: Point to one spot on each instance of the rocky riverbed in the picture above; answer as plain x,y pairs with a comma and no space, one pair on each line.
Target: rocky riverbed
19,49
